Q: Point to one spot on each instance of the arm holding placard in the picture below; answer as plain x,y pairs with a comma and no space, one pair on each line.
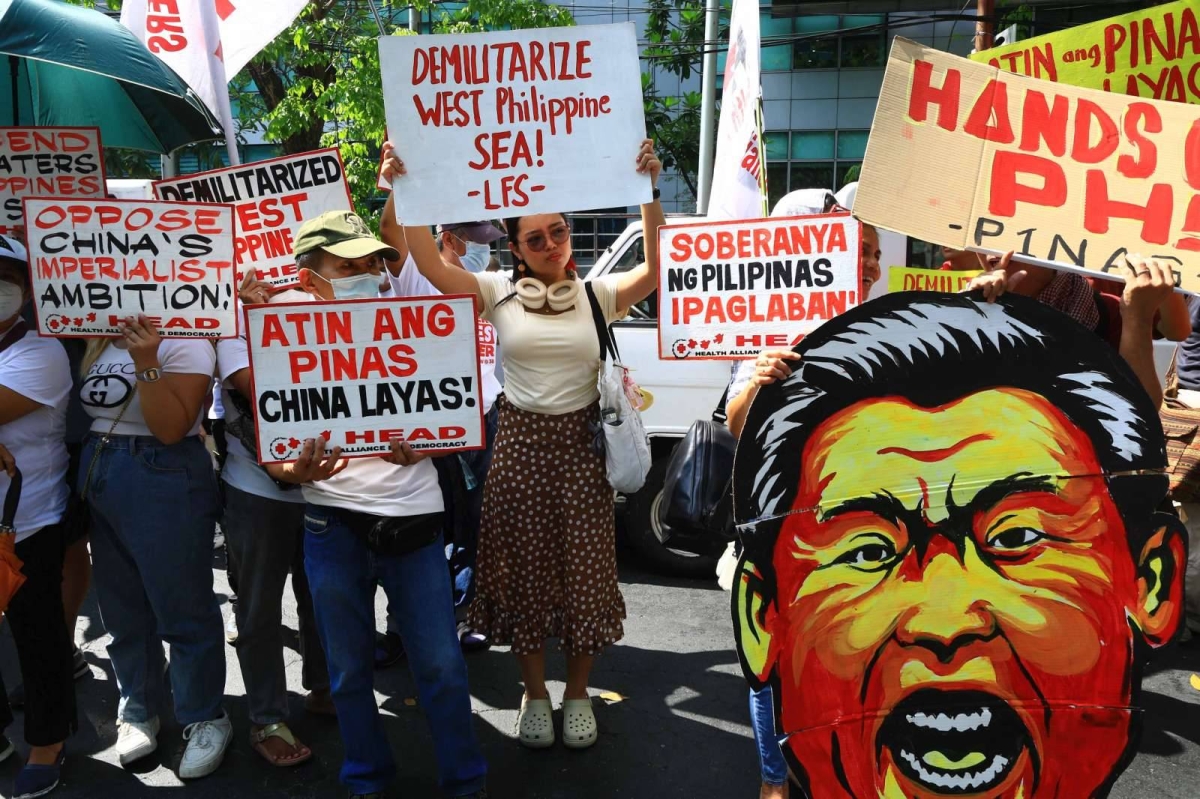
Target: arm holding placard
769,366
312,465
170,401
392,233
639,283
1148,284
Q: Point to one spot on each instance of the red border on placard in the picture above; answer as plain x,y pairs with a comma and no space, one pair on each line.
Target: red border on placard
100,154
254,165
102,200
713,224
326,304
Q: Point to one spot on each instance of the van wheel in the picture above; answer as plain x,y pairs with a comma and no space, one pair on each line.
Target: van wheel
646,533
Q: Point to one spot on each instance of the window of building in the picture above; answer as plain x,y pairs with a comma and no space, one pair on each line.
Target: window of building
821,41
812,159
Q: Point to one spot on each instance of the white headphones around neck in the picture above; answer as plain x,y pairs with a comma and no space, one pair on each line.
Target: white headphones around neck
535,296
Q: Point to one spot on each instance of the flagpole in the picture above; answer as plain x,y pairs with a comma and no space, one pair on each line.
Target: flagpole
708,106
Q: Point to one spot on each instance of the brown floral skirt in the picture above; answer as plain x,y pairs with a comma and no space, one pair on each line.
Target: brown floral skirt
547,561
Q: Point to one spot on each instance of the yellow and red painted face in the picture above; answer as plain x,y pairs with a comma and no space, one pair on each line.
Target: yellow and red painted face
953,618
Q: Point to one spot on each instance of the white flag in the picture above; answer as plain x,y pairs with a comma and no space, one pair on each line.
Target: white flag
186,36
247,26
737,174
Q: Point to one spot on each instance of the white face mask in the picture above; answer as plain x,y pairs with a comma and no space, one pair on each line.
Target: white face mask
359,287
10,300
477,257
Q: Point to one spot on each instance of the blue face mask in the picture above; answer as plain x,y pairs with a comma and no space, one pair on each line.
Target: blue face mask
359,287
477,257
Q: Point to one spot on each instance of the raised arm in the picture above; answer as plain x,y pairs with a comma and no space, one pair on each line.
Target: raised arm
639,283
1147,285
393,236
421,245
1175,322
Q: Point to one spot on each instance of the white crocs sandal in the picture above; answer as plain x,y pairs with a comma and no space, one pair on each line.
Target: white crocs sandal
535,724
579,724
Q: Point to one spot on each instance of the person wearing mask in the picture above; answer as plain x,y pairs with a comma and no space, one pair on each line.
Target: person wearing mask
149,482
463,475
263,523
378,521
547,552
35,382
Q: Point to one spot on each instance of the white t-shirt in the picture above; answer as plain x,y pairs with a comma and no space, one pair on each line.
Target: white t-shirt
113,376
551,362
241,469
37,369
411,283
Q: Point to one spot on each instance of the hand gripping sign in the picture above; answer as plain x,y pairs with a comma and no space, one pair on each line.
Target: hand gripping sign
271,199
728,290
954,563
46,162
94,263
361,373
514,122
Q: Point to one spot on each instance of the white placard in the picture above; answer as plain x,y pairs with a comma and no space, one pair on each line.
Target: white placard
728,290
271,199
360,373
46,162
515,122
94,263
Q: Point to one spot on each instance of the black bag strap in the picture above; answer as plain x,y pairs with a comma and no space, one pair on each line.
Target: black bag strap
608,344
719,415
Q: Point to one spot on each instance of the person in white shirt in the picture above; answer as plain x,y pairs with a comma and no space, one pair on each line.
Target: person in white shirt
378,520
547,552
35,383
154,503
463,475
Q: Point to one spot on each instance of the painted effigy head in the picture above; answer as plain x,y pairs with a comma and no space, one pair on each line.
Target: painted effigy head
954,559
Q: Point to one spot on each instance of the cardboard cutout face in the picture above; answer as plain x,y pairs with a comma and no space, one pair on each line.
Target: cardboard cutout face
953,557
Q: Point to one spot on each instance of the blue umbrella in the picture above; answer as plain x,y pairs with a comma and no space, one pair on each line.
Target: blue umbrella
72,66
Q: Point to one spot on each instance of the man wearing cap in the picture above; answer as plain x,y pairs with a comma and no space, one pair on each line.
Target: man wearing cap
378,519
462,475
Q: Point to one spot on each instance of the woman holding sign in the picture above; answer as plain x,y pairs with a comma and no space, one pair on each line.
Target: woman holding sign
547,555
154,505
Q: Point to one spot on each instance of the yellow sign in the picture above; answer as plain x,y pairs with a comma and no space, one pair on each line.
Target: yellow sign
903,278
1152,53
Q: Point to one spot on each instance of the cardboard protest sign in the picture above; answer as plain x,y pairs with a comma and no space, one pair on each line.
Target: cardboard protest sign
514,122
47,162
966,155
905,278
1152,53
94,263
954,564
727,290
271,200
360,373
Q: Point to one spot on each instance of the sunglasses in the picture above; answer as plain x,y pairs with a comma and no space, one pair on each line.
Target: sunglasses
537,242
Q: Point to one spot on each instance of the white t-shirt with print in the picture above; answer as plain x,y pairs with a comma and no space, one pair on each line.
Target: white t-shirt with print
37,369
110,379
411,283
551,362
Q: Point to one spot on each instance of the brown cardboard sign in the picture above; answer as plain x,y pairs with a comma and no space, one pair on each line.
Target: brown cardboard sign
967,155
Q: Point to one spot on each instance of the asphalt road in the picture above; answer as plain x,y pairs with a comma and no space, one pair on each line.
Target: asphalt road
680,729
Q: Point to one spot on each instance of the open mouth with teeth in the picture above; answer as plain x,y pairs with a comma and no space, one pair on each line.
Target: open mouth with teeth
954,742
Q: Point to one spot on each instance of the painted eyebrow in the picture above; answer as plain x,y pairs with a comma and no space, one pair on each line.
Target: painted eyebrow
941,453
887,506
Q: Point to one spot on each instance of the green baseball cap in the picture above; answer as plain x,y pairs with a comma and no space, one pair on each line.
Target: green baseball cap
341,233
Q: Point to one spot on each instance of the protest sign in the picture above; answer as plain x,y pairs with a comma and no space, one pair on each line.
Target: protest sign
514,122
738,180
94,263
1153,53
271,199
966,155
360,373
48,162
727,290
905,278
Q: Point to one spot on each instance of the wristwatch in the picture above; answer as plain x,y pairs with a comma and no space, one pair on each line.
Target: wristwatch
657,192
150,375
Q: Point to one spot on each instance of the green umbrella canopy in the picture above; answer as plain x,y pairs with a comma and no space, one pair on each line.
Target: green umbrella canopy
71,66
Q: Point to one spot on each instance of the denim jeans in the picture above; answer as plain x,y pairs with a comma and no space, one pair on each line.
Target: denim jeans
464,508
154,509
342,576
770,755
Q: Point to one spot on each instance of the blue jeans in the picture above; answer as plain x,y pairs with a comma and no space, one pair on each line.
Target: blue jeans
770,755
342,575
154,510
464,508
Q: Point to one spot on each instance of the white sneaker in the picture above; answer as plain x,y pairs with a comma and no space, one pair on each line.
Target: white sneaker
136,739
207,742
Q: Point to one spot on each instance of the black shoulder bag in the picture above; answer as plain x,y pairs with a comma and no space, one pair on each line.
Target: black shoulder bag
697,488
